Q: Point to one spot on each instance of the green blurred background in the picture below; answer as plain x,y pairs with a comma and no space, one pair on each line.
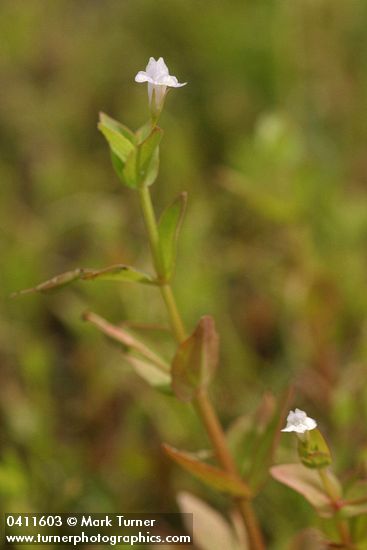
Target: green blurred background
269,138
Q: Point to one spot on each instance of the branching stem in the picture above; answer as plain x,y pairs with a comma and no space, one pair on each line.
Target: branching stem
203,404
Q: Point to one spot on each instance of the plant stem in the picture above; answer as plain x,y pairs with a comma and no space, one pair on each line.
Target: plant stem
215,431
203,405
175,317
341,524
151,228
177,326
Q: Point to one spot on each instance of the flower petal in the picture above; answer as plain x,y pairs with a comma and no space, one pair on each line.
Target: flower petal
310,423
299,422
162,67
142,77
171,81
150,68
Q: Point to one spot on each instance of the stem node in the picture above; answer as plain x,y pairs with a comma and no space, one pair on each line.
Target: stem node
203,405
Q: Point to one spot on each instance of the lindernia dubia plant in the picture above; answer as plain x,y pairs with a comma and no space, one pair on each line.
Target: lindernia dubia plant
314,479
243,456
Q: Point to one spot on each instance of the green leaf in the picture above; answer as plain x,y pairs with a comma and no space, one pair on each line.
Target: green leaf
196,360
169,228
214,477
307,482
118,166
53,284
120,145
314,451
119,272
146,150
143,132
147,160
152,171
129,171
127,339
113,124
149,372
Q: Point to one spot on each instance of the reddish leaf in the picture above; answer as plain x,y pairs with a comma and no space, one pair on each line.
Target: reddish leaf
127,339
214,477
196,360
308,483
150,373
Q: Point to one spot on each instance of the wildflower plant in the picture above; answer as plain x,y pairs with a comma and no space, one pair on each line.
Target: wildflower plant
243,455
314,479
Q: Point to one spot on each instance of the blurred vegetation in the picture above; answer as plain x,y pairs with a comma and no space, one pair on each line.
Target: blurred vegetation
270,140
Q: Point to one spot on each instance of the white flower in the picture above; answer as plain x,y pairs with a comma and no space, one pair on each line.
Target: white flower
158,79
299,422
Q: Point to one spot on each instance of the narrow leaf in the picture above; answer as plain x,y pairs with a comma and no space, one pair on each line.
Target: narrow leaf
129,171
153,169
126,338
169,228
118,166
146,150
214,477
143,132
123,151
117,126
53,284
308,483
119,144
196,360
119,272
150,373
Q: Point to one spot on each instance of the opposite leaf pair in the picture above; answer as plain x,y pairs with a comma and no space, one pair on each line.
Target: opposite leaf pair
135,156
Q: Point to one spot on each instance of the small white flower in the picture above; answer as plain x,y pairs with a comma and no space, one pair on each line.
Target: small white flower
299,422
158,78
